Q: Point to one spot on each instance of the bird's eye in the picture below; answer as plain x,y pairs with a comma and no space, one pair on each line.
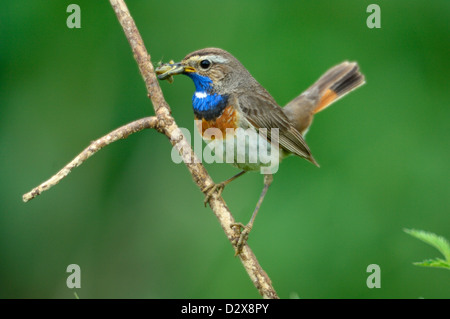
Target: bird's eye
204,64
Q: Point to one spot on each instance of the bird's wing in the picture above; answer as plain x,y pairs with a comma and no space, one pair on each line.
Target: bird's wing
261,111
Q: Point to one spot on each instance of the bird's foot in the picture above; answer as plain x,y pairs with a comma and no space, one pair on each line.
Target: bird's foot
210,190
240,240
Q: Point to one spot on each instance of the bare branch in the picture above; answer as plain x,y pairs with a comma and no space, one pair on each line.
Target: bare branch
120,133
140,55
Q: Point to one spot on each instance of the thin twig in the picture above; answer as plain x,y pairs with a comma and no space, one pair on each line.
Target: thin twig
120,133
165,124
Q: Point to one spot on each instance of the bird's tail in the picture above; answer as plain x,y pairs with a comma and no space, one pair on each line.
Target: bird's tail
336,83
333,85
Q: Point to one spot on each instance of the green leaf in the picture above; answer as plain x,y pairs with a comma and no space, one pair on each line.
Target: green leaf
439,242
433,263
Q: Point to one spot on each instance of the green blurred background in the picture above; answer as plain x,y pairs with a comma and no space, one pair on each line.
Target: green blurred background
134,221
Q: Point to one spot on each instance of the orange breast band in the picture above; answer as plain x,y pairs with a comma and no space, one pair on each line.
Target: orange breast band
228,119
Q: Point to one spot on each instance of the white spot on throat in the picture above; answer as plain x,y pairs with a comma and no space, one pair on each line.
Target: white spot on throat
201,95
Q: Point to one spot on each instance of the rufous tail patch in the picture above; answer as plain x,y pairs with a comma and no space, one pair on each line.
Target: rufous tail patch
329,97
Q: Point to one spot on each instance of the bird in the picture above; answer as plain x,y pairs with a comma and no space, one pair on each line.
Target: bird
228,100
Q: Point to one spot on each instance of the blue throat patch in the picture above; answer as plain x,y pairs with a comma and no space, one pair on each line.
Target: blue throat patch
206,105
202,83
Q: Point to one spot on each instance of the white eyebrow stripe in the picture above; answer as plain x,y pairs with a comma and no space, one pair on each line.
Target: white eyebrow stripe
217,59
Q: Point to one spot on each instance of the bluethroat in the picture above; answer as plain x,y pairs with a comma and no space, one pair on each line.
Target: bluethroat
228,99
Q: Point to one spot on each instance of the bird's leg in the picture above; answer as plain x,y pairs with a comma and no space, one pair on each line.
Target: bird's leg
243,234
209,191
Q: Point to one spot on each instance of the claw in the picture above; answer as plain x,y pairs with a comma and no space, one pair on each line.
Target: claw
243,236
214,188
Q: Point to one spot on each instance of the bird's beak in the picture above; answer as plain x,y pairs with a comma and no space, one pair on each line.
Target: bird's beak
166,70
